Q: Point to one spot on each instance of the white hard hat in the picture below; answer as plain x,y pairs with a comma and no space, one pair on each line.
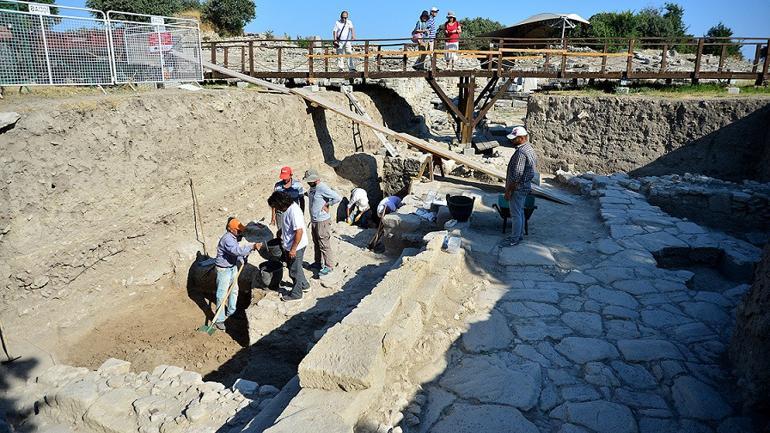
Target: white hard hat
518,131
434,9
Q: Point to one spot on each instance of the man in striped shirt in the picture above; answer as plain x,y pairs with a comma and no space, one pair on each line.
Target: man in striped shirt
432,28
518,181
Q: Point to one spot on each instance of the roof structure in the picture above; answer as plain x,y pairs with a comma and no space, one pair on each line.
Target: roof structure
544,25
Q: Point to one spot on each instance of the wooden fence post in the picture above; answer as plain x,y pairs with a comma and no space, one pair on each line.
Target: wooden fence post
698,57
630,59
366,59
251,58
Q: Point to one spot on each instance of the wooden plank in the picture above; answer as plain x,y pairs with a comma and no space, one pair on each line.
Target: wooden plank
246,78
500,92
251,57
698,57
380,136
445,99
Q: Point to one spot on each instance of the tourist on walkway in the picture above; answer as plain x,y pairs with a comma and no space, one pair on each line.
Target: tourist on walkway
432,28
359,212
518,181
343,35
290,186
230,254
388,205
453,29
420,35
321,198
293,241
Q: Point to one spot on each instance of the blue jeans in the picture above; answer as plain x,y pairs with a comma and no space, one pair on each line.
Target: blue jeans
225,277
518,198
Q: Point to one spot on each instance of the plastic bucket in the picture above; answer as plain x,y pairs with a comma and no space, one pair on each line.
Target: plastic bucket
460,207
271,274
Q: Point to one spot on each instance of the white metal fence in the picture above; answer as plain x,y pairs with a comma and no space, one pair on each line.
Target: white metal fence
61,45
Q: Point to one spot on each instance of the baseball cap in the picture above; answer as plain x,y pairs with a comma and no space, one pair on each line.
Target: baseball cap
236,225
286,173
518,131
434,9
311,176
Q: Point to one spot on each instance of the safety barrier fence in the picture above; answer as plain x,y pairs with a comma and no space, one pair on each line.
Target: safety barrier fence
62,45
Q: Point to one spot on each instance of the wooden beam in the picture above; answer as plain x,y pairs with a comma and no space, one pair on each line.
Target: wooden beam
445,99
494,99
380,136
698,57
244,77
490,85
466,132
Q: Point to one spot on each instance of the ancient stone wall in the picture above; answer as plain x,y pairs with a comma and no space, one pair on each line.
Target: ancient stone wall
750,347
725,138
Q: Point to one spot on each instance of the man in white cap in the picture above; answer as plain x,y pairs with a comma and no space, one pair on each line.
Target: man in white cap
518,181
432,28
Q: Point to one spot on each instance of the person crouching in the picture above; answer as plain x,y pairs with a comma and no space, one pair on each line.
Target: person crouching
230,254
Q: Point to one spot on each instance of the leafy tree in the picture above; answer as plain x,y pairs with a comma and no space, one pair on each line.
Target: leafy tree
666,22
720,31
473,28
230,16
187,5
148,7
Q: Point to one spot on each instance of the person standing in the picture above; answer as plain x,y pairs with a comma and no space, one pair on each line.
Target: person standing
321,198
293,241
290,186
420,36
230,254
518,181
343,35
453,30
358,208
432,28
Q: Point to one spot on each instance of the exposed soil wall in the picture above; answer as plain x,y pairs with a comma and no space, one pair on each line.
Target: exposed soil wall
725,138
750,347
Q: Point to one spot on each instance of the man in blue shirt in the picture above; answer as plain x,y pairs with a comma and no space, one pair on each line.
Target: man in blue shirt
432,28
290,186
229,255
518,181
320,199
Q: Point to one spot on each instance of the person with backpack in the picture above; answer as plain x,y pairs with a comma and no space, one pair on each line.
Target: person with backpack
343,35
420,36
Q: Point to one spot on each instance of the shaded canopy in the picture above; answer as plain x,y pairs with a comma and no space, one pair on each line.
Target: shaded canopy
545,25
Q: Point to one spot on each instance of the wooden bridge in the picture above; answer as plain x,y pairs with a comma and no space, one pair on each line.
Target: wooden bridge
683,59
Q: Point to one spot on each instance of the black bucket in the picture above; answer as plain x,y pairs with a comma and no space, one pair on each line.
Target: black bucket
274,249
271,274
460,207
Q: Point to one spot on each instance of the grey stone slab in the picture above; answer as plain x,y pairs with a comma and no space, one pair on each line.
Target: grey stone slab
658,318
695,399
634,375
578,277
526,254
600,416
579,393
621,329
488,380
562,377
690,228
608,247
648,350
542,309
672,369
657,425
561,288
612,297
706,312
625,231
611,273
571,428
548,398
636,287
469,418
639,399
582,350
531,354
692,333
739,424
596,373
538,330
8,119
653,299
571,304
653,242
592,306
487,335
438,400
585,324
617,312
534,295
714,298
692,426
546,349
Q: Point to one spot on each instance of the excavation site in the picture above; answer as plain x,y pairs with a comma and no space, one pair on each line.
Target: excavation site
254,241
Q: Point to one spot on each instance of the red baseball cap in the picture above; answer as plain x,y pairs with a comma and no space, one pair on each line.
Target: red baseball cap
286,173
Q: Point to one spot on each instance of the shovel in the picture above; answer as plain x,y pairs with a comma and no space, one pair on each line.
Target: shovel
5,348
210,328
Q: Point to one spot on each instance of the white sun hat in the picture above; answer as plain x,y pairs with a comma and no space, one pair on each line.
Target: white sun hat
518,131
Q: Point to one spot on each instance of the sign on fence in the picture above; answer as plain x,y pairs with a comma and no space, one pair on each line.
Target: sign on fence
78,46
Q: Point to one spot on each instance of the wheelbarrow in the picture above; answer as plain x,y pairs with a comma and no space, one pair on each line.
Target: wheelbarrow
503,208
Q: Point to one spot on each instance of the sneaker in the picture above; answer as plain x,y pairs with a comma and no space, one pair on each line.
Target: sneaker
291,296
306,289
221,326
325,270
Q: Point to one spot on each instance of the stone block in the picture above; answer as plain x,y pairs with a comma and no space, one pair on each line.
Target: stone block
402,336
113,412
694,399
468,418
526,254
310,405
648,350
114,366
74,399
582,350
347,357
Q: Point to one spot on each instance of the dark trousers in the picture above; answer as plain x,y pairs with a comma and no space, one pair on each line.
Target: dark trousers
296,273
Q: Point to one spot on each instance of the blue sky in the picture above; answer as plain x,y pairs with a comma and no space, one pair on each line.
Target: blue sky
395,18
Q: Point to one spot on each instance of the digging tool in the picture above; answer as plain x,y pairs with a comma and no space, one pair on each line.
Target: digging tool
380,231
5,348
197,219
210,328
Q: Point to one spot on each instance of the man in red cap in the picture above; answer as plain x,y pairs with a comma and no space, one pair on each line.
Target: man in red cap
229,255
292,187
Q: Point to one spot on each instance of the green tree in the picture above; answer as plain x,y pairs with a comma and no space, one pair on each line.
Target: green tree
473,28
666,22
148,7
230,16
720,31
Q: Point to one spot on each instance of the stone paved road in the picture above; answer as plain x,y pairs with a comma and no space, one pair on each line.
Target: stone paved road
583,332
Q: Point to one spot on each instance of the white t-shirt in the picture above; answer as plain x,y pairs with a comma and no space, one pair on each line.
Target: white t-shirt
359,199
293,219
346,29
